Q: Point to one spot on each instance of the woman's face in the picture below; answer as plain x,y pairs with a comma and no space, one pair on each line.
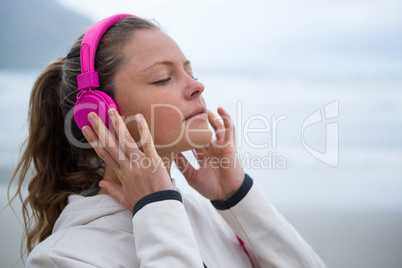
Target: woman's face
157,81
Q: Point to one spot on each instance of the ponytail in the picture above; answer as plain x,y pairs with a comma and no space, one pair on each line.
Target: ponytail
48,152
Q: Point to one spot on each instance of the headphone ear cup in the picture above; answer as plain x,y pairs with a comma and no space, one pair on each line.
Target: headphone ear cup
93,101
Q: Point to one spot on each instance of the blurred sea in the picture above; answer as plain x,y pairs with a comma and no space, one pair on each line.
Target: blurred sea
350,214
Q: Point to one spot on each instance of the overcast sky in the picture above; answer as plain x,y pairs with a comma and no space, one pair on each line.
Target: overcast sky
293,37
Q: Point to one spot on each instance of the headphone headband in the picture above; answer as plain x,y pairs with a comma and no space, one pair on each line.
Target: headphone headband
89,77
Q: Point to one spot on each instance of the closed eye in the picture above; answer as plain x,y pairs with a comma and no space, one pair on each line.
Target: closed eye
162,82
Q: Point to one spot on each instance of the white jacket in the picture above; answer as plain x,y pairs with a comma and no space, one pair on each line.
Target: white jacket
174,229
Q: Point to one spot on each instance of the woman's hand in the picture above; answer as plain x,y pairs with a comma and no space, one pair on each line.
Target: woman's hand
220,174
140,173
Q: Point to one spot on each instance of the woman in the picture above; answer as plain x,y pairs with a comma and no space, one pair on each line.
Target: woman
138,217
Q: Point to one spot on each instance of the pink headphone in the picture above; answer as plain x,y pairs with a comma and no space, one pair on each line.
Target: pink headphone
89,100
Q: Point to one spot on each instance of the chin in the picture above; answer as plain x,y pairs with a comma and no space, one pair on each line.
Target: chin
198,134
195,134
192,140
199,139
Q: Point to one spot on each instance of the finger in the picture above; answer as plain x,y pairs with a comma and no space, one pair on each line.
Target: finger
229,127
200,153
115,190
217,125
146,138
126,141
106,138
185,167
92,138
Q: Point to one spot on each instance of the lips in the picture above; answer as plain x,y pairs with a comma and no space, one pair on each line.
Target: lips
199,110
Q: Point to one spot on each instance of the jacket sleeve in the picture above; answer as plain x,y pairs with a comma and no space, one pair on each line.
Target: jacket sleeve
162,237
270,240
162,232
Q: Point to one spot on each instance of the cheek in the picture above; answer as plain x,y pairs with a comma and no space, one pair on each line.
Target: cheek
128,110
165,122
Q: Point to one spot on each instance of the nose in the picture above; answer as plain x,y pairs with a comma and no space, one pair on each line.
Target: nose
194,89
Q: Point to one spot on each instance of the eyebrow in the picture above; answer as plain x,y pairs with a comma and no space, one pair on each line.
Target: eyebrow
167,63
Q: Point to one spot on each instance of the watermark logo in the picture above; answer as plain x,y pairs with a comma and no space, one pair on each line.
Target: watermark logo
331,154
267,135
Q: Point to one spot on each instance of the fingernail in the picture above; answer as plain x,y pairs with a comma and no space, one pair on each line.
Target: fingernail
138,117
91,117
111,111
85,130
